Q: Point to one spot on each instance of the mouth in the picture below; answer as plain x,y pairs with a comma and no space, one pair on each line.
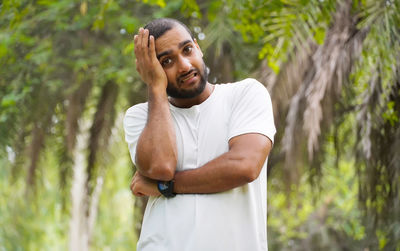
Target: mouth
189,77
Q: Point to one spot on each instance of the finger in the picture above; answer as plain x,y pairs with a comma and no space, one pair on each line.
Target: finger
140,34
133,183
136,38
147,37
133,178
140,43
145,45
134,190
135,41
142,38
152,49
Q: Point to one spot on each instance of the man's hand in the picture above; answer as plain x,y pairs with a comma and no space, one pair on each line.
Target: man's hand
147,63
143,186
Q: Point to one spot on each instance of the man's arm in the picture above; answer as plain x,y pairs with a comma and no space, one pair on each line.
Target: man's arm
156,154
240,165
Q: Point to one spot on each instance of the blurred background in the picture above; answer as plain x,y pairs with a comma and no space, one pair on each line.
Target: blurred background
67,76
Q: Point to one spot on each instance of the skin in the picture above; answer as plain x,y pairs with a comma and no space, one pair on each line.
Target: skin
175,60
156,151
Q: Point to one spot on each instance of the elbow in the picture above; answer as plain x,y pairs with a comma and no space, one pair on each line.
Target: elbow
250,173
163,172
251,176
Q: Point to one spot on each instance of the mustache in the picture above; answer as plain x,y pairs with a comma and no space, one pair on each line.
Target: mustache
186,74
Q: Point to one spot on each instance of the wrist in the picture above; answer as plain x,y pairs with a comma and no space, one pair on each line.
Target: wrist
157,91
166,188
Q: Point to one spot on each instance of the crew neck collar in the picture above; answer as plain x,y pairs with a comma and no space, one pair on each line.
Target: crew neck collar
203,104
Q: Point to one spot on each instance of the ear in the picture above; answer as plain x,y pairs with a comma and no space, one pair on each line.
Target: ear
198,47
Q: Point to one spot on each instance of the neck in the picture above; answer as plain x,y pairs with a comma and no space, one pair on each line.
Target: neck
189,102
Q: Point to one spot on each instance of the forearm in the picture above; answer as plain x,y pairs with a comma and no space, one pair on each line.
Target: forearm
219,175
156,153
240,165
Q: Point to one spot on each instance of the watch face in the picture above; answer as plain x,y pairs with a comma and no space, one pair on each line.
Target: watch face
166,188
162,186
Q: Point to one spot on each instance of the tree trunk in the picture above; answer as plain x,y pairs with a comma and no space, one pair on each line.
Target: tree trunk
84,206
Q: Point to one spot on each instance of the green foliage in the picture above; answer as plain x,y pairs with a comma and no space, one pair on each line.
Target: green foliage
58,57
41,221
391,115
282,26
23,219
325,219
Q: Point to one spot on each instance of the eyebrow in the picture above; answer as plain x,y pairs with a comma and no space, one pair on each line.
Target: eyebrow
167,52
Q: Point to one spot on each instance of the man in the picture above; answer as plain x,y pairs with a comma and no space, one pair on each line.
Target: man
200,149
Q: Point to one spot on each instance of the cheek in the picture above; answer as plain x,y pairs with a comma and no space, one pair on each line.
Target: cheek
198,61
171,76
199,65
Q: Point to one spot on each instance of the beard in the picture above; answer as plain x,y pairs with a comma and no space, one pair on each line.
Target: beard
175,92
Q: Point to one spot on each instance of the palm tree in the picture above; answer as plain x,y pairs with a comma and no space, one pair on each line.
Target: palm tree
334,62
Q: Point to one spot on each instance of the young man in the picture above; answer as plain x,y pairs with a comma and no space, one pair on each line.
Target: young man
200,149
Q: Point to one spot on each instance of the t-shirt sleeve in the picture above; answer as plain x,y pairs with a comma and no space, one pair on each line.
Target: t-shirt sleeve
251,110
134,122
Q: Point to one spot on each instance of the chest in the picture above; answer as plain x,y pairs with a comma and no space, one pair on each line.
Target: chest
201,134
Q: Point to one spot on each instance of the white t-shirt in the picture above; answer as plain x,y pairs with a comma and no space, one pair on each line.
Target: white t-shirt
226,221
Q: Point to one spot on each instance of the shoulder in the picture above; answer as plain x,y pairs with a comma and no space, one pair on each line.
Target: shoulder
142,107
252,84
248,83
136,112
248,86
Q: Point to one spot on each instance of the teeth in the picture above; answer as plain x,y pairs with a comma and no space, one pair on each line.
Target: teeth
189,77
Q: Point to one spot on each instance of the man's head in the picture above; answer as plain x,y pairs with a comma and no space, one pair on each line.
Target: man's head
180,56
158,27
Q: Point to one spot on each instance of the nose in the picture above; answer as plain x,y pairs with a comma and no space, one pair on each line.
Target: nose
184,64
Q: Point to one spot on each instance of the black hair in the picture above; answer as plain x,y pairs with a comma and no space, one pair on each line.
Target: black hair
158,27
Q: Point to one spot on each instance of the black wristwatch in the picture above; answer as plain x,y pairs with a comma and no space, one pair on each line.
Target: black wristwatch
166,188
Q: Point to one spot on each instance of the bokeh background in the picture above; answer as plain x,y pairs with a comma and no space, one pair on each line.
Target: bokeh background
67,76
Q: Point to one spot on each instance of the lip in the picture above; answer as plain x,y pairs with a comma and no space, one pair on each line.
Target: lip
189,78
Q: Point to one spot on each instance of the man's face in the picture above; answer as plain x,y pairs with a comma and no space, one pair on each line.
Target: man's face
181,59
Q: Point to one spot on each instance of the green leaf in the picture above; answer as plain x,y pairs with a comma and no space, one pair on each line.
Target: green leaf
9,100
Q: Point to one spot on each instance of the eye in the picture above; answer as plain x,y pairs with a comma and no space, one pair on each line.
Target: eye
166,61
188,49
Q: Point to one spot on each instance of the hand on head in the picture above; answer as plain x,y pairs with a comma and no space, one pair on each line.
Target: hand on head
146,61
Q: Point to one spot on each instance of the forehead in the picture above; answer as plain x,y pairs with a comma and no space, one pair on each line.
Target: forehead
171,39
